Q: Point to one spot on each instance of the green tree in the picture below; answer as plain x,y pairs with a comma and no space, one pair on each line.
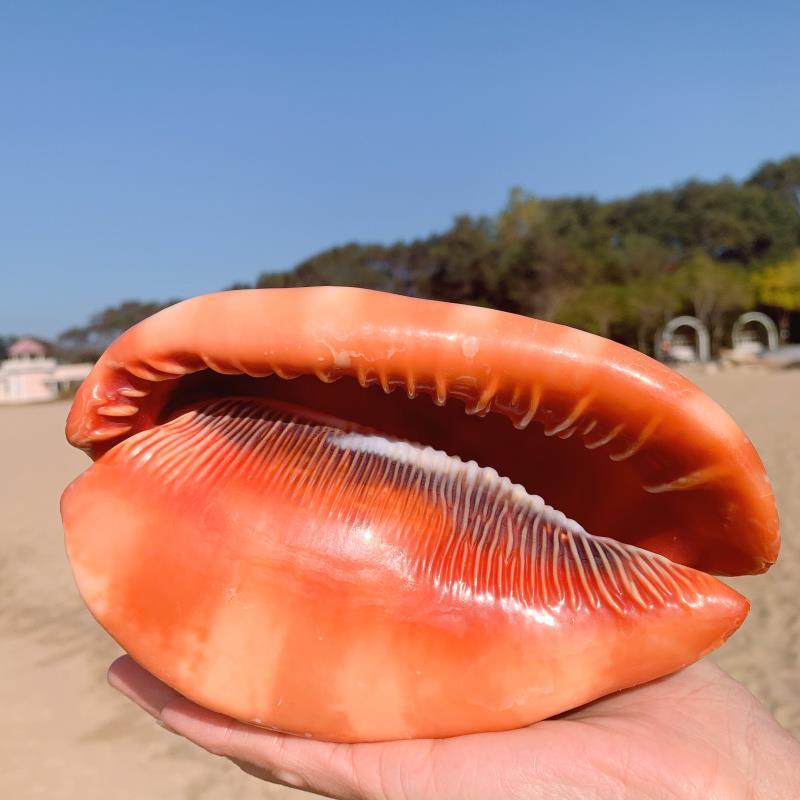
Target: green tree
642,257
366,266
779,176
713,290
779,286
87,342
594,308
694,246
731,222
457,262
650,303
5,343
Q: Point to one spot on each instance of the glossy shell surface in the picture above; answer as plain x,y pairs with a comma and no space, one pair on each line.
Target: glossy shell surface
292,520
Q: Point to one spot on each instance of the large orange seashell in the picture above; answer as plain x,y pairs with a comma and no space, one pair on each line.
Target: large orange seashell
292,520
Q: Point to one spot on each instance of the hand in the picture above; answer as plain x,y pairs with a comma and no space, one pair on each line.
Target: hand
695,734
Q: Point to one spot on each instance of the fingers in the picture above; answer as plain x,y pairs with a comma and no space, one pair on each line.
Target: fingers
322,767
395,770
149,693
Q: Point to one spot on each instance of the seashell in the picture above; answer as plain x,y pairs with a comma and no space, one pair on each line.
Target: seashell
321,510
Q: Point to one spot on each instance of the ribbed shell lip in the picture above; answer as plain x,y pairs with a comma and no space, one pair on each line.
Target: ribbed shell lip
279,570
569,385
468,531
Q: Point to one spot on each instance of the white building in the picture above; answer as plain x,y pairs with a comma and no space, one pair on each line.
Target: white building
28,376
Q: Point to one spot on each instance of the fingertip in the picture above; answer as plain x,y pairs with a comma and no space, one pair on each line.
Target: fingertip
116,672
139,686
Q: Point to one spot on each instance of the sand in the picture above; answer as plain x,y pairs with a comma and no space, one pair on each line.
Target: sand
67,735
765,653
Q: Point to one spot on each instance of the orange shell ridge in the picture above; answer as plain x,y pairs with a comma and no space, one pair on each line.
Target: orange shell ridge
291,519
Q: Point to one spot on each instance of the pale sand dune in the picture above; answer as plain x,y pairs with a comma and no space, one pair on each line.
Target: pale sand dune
67,735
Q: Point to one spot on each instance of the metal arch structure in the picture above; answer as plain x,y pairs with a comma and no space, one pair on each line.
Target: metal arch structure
737,335
701,333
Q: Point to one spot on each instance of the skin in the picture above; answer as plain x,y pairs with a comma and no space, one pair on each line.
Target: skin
694,734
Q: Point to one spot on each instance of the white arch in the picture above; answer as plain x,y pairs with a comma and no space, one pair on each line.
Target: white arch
703,339
737,335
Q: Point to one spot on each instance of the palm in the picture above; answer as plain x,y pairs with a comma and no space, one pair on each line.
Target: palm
694,734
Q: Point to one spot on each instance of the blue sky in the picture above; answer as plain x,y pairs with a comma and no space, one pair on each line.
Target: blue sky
156,149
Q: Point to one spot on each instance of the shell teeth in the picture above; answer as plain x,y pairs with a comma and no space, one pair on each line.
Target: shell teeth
327,376
169,367
129,391
105,432
361,376
440,393
144,372
119,410
285,374
604,440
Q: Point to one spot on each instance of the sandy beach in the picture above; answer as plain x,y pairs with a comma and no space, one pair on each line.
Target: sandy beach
68,736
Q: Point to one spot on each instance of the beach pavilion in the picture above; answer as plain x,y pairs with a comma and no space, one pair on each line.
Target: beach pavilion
28,375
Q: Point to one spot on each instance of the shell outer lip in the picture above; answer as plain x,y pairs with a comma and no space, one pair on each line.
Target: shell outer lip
473,353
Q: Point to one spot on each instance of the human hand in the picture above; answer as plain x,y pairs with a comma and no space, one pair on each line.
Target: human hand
694,734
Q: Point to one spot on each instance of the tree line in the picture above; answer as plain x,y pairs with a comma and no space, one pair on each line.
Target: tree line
620,268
